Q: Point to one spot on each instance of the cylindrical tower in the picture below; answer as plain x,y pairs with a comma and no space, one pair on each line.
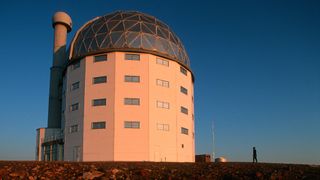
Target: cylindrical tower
129,92
62,24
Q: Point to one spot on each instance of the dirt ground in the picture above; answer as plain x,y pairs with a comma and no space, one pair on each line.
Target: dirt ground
151,170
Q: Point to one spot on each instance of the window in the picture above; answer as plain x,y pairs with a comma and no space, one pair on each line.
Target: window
100,79
184,131
75,86
161,104
76,153
184,110
74,107
99,102
100,58
73,129
193,117
98,125
76,65
132,124
131,101
128,78
184,90
134,57
162,83
183,70
163,127
162,62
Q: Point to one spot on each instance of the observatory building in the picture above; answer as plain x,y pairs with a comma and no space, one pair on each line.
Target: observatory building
122,91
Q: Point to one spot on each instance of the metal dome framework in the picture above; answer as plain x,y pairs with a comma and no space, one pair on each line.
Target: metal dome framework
128,31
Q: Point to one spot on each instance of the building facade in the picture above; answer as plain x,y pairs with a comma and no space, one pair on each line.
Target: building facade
124,93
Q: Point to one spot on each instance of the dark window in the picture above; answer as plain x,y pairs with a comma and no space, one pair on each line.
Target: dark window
184,131
98,125
100,58
100,79
75,86
131,101
128,78
99,102
183,70
76,65
73,129
184,90
74,107
184,110
132,124
134,57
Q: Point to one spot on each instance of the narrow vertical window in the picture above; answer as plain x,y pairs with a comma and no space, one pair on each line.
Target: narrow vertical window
76,153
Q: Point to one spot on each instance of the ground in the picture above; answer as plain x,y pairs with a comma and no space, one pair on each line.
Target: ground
151,170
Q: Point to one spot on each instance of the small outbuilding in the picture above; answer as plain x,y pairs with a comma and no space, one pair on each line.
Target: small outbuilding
203,158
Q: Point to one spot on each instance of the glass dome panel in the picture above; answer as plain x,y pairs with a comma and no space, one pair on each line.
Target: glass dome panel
125,30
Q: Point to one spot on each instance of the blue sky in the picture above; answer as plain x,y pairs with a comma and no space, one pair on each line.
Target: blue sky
256,64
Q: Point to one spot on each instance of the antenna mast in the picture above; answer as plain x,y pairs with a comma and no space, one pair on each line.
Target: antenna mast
213,147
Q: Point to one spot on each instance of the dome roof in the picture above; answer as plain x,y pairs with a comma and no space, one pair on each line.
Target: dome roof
128,31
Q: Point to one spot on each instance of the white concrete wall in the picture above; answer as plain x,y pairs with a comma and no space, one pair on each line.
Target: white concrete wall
74,140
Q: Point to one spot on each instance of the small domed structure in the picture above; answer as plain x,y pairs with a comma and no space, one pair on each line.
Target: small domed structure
128,31
220,159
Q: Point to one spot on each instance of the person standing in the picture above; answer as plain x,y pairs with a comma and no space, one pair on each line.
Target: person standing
254,155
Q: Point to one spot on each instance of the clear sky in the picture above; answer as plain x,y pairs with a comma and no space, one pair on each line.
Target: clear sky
256,65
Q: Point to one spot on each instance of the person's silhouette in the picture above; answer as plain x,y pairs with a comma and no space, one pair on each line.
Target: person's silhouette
254,155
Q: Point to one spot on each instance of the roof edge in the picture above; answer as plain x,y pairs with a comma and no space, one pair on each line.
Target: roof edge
73,60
